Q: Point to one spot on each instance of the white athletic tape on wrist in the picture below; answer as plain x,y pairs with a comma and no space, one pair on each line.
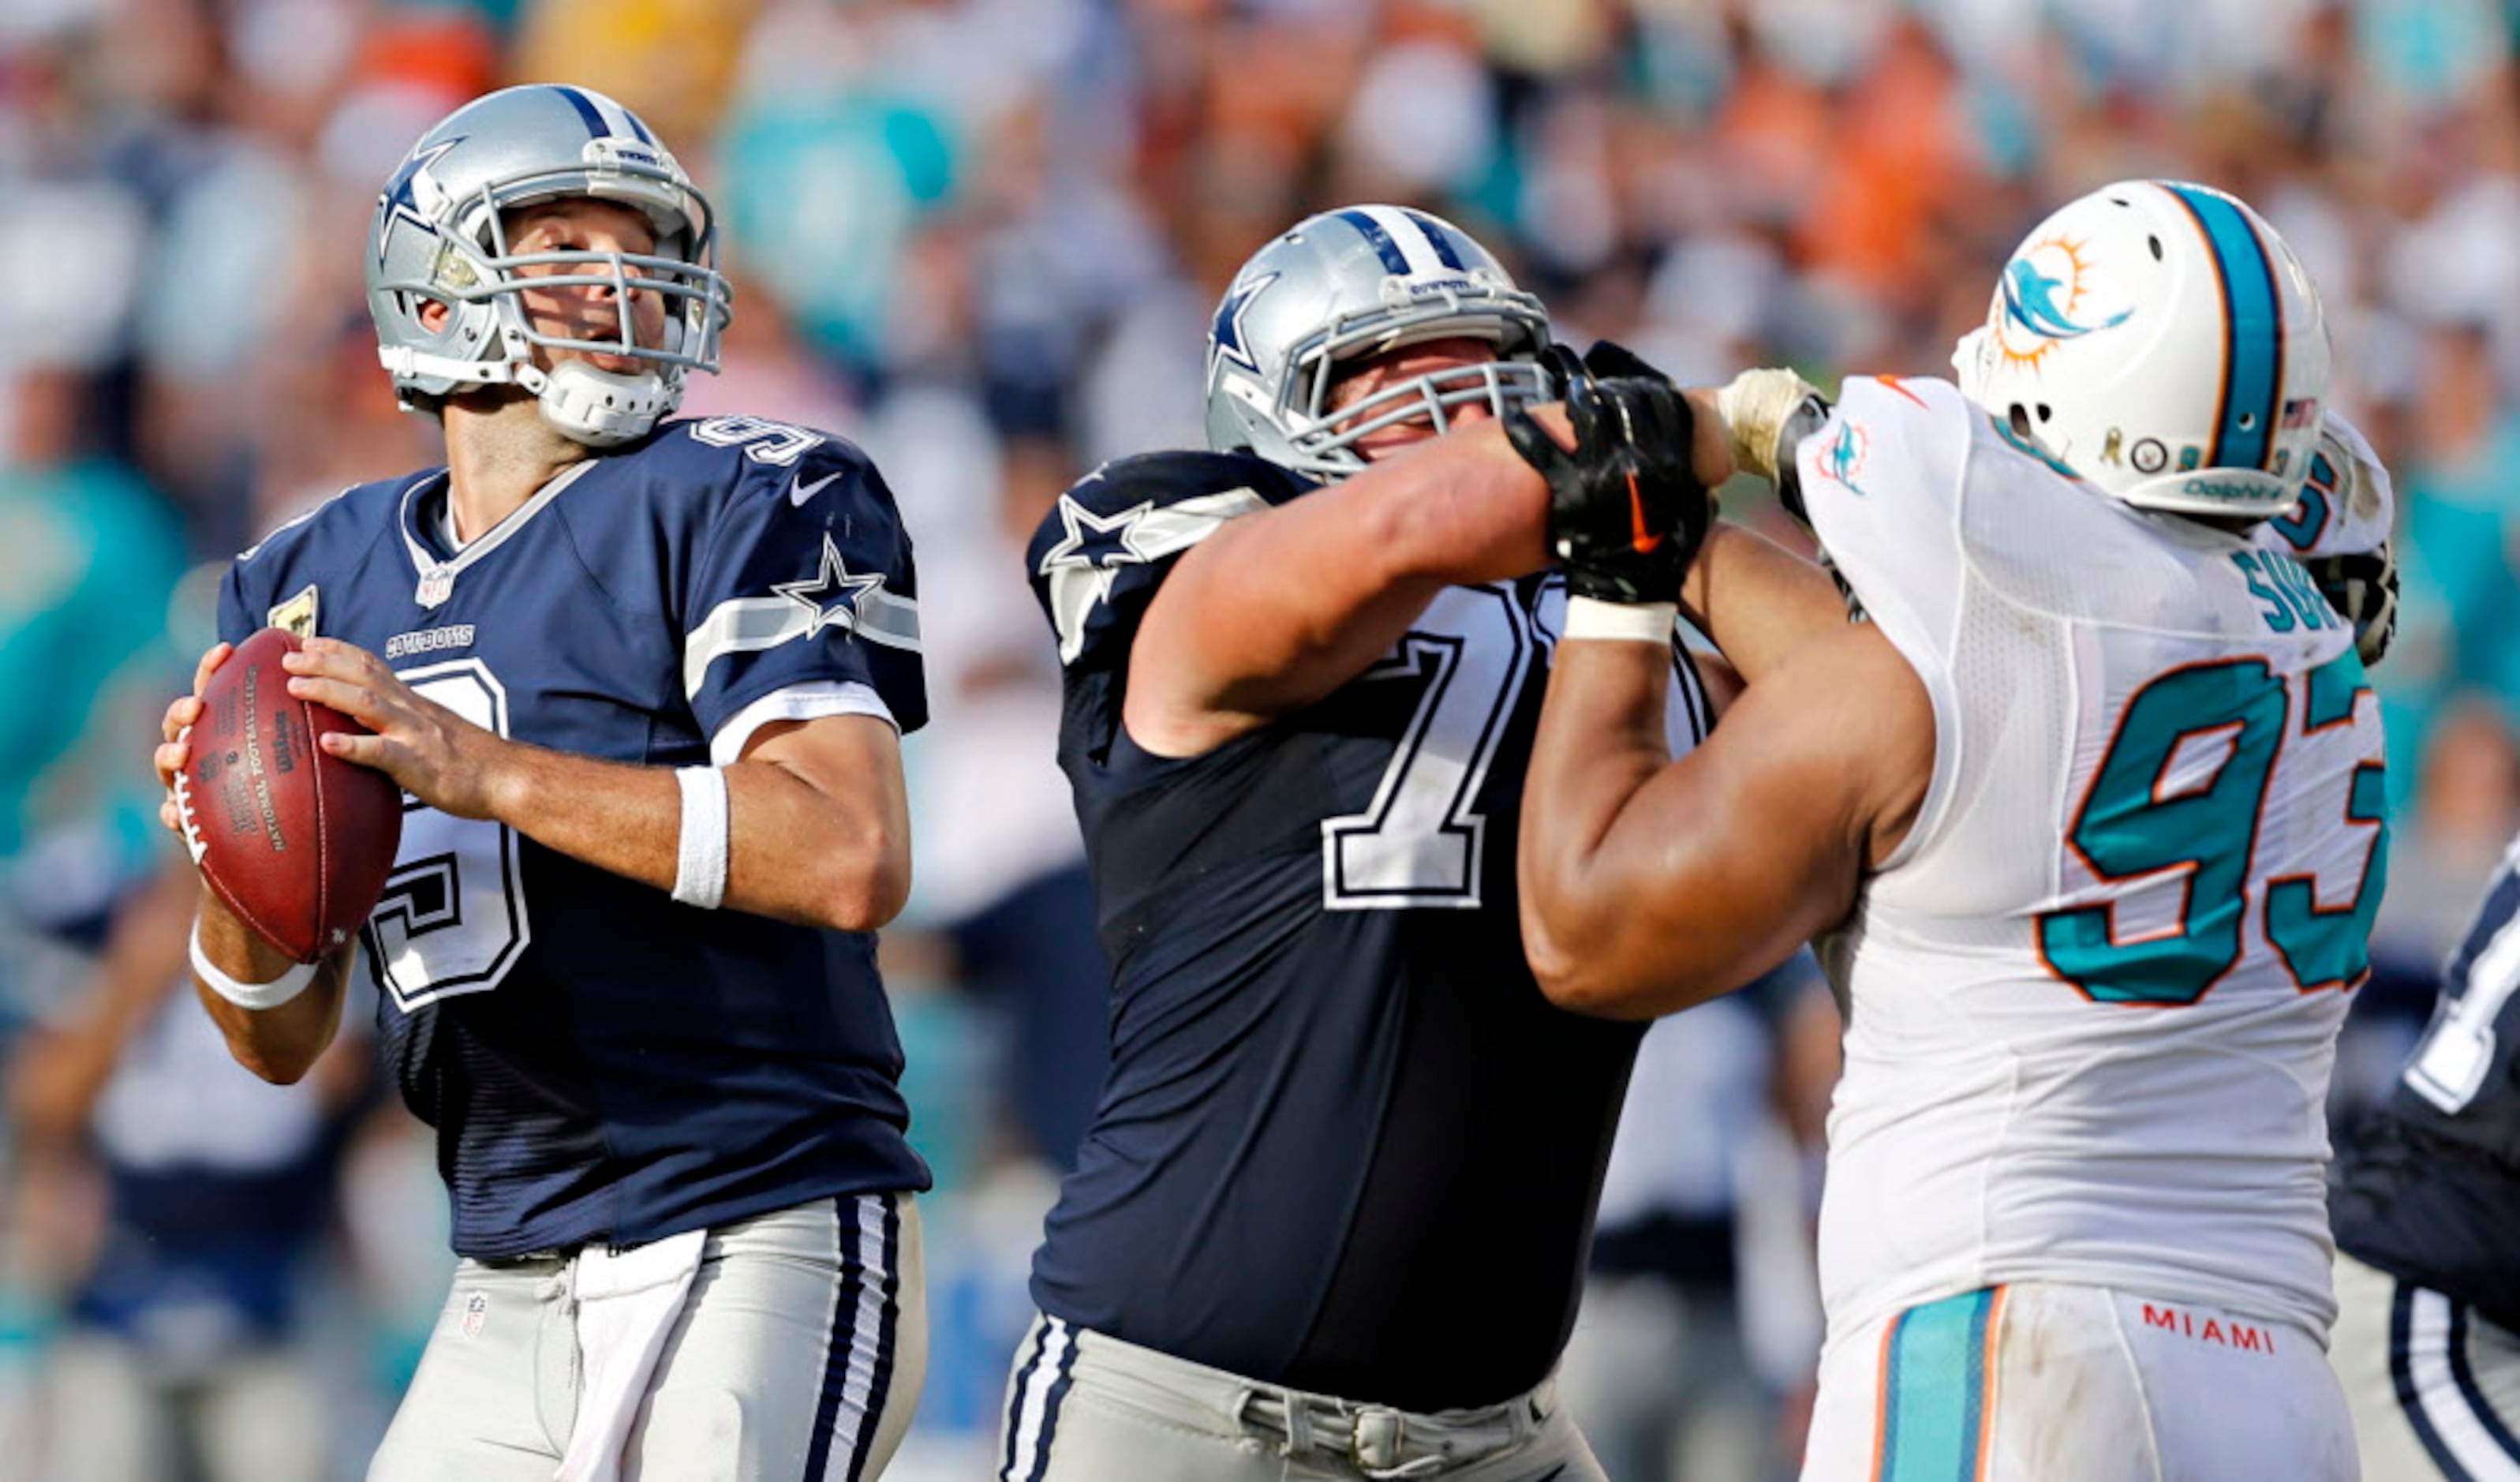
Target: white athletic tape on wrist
1755,405
700,864
1644,622
254,995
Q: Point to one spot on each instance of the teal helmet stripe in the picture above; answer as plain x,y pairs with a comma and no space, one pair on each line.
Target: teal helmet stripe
2244,427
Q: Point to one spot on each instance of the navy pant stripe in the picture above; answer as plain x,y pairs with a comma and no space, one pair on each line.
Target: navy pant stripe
1044,1381
1058,1387
2411,1400
843,1340
2463,1374
888,1322
1024,1379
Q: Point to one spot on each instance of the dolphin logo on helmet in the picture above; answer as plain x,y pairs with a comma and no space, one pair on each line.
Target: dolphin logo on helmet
2215,374
2030,302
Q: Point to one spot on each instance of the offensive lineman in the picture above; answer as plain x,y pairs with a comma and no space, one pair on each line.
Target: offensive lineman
2090,812
642,681
1331,1218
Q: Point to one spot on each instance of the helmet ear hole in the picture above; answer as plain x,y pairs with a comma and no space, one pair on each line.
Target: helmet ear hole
2020,417
2046,413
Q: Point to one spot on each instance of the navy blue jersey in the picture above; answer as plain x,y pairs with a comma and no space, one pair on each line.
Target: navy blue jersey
2428,1184
1346,1145
600,1061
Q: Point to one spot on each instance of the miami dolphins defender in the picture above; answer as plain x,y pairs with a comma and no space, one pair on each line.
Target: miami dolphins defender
2087,814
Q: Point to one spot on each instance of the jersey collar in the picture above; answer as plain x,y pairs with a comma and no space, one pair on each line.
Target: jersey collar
435,574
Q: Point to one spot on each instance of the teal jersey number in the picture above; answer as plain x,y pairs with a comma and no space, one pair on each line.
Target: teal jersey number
2128,826
2332,949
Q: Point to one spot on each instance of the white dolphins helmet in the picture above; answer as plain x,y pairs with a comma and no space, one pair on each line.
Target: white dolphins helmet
2165,344
440,236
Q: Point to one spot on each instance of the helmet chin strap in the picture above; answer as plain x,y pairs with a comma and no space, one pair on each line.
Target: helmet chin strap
598,407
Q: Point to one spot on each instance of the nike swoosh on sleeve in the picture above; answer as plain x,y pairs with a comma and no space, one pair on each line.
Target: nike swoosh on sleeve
798,490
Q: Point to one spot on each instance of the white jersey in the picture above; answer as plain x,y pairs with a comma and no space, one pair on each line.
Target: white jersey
2094,997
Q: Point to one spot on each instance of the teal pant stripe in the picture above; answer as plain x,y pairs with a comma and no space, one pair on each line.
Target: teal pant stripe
1934,1399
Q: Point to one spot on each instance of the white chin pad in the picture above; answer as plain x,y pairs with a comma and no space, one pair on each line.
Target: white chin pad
1967,357
600,408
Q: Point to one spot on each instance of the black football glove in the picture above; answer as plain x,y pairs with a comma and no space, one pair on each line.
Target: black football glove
1566,370
1609,360
1627,512
2363,588
1604,361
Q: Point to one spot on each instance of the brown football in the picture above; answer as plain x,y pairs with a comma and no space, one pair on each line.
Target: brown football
294,840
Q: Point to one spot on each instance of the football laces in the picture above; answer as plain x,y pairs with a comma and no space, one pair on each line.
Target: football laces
183,790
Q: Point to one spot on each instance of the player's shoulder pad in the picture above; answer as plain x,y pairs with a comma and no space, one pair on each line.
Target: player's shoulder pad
1891,443
2348,502
276,575
752,460
358,515
1883,484
1105,547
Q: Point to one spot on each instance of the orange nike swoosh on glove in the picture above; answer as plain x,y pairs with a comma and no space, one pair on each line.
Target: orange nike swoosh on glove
1647,541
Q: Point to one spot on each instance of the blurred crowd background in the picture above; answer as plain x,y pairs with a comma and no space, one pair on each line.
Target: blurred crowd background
984,238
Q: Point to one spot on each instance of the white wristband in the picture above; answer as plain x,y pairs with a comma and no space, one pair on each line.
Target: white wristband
1644,622
254,995
700,866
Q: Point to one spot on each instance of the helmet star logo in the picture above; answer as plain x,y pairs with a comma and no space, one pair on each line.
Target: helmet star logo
414,193
1226,335
833,580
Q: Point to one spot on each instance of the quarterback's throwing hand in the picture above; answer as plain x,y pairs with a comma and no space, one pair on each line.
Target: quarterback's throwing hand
1626,510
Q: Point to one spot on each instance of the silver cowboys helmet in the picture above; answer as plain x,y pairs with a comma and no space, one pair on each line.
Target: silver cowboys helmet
1346,286
438,235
